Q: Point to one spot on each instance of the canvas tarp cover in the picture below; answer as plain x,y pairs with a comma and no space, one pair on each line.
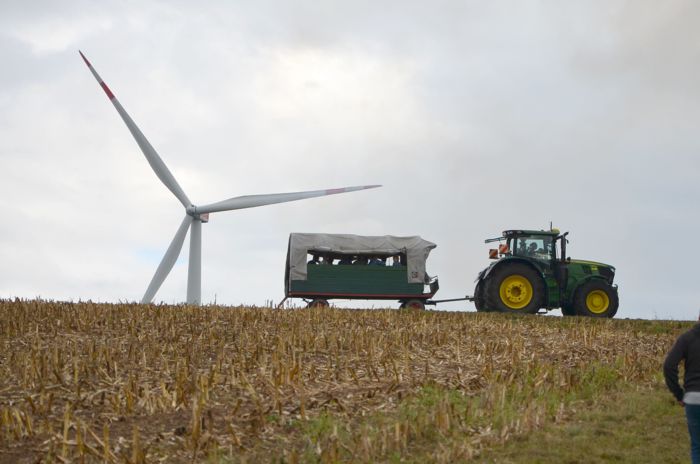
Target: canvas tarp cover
415,248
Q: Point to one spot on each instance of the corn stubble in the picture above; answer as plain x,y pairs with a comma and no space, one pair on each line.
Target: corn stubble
127,383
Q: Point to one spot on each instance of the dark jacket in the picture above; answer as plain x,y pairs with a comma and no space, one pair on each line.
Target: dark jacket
687,348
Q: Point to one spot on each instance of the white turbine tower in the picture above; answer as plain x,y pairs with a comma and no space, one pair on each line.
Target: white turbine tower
195,215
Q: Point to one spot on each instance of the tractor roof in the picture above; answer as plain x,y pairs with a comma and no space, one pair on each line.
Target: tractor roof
510,233
518,232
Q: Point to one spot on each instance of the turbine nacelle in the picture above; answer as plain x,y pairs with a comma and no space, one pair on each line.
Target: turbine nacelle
195,215
192,211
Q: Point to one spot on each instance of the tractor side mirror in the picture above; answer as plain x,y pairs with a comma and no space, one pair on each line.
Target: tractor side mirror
493,253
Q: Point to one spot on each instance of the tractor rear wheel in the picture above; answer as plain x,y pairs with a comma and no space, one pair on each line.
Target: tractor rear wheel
514,288
479,297
596,298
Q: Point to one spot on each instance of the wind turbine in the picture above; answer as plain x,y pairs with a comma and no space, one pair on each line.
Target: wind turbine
195,215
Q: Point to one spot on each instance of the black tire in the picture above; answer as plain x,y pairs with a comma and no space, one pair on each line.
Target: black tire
479,297
318,303
518,279
596,298
568,310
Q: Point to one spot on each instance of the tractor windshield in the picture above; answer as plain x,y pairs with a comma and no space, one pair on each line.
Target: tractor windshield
534,246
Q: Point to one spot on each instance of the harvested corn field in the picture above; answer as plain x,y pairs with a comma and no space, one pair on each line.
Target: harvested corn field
132,383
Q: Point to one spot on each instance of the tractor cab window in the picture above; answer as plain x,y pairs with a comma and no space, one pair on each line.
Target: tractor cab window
534,246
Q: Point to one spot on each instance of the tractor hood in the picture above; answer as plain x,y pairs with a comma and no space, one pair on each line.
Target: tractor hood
584,262
585,268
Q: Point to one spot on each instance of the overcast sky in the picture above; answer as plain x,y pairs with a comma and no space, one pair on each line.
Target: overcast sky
475,116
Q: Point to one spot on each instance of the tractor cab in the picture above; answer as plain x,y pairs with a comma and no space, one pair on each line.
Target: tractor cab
531,244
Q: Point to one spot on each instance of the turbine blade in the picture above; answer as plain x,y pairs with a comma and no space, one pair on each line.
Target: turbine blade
251,201
152,157
168,261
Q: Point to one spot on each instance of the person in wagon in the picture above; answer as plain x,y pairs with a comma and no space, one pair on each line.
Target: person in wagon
687,350
360,260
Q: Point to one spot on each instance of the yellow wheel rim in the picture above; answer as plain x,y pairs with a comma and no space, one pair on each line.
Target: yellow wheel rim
516,291
597,301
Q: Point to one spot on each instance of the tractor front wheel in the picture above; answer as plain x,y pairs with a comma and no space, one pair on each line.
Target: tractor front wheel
514,288
596,298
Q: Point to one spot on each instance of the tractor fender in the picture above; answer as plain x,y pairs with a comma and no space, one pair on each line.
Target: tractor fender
482,274
503,262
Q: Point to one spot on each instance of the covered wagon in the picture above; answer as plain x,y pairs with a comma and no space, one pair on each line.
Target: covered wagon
321,267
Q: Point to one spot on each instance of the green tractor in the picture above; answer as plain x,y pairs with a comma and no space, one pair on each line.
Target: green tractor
532,272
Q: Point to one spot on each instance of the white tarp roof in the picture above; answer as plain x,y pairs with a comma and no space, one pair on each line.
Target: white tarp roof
415,248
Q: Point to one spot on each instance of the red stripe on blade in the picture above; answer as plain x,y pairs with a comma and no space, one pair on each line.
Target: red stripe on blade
332,191
107,91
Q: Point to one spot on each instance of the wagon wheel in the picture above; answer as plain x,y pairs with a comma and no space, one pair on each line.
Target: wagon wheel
318,303
413,304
